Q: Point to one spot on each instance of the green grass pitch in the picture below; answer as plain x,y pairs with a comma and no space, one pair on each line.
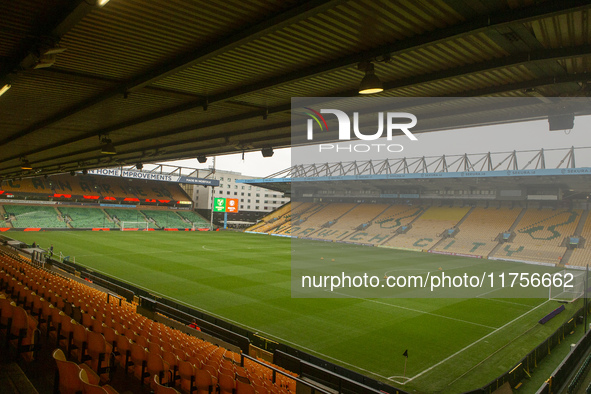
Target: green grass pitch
453,344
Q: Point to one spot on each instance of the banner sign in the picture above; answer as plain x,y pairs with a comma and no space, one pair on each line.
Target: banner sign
219,205
154,176
225,205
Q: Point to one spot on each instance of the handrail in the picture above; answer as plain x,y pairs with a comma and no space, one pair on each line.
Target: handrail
315,389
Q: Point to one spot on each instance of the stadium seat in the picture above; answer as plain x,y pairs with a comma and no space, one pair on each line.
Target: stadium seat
6,312
213,371
79,342
187,375
24,333
66,331
155,365
67,378
36,307
160,389
244,388
123,355
86,377
260,389
139,358
99,352
204,382
173,363
226,383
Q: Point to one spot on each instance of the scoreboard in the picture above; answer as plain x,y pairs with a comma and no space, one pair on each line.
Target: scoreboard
225,205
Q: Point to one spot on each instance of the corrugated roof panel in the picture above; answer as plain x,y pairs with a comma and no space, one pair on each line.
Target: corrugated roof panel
346,29
22,20
148,33
577,65
564,30
36,95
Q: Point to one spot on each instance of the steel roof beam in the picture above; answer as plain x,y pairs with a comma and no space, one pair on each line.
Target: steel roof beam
63,22
510,61
227,43
234,40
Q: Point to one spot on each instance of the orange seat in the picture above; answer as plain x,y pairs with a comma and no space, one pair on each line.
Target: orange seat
37,307
187,375
139,358
24,333
205,382
226,383
87,320
66,331
260,389
67,379
244,388
173,363
124,352
213,371
110,335
99,352
160,389
155,365
6,312
90,388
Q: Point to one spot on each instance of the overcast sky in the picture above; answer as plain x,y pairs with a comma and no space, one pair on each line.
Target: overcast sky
518,136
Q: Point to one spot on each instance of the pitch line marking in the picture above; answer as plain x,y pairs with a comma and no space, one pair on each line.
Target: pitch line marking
470,345
418,311
392,378
255,330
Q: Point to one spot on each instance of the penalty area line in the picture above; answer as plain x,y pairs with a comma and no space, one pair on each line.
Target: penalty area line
473,343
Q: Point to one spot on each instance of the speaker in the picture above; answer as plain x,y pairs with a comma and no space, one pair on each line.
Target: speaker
267,152
561,122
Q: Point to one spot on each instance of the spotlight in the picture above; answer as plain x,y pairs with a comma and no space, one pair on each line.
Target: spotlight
107,147
26,165
4,89
267,152
139,166
201,159
85,172
73,173
101,3
370,83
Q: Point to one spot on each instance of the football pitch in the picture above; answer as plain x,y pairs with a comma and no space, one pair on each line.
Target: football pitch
454,345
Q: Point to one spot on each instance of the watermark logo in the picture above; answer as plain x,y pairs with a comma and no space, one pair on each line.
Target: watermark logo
345,124
388,122
317,117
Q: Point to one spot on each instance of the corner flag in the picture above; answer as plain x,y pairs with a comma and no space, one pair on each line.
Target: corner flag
405,354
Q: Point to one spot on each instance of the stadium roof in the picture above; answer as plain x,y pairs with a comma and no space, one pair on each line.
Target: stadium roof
546,169
166,80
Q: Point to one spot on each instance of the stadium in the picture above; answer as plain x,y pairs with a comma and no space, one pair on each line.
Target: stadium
447,252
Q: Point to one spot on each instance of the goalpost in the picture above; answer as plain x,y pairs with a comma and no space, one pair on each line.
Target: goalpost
571,289
134,226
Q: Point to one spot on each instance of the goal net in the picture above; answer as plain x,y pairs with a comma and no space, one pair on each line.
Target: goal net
134,226
570,288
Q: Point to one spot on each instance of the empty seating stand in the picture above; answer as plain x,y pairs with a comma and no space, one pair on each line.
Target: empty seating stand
95,336
539,235
86,217
34,216
166,218
194,218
